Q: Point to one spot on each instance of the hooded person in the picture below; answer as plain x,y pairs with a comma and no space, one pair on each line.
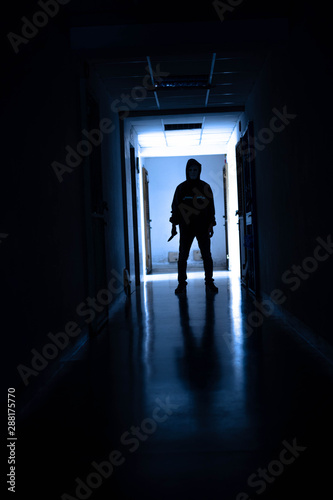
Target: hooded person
193,211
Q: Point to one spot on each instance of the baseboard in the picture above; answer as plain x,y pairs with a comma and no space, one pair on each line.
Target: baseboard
39,386
304,332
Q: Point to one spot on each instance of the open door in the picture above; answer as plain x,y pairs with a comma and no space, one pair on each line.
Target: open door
135,215
226,208
247,220
147,220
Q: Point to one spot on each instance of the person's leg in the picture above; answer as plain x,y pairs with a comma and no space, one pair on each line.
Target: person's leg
204,245
186,238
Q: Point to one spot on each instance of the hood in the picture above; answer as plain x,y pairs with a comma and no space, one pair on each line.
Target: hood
190,163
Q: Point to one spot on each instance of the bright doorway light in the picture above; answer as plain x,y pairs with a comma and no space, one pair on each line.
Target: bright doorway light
142,220
233,231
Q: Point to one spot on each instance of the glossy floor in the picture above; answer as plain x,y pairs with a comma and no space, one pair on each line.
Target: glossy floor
187,403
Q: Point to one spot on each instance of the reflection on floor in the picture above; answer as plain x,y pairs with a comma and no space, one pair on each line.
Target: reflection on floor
164,274
177,399
172,268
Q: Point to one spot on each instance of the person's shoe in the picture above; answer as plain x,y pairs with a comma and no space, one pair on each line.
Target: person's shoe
210,287
181,288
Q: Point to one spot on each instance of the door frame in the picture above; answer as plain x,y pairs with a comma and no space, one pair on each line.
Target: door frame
226,210
247,211
135,210
146,220
130,206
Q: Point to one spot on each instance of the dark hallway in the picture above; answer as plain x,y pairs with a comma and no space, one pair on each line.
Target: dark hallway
190,405
117,388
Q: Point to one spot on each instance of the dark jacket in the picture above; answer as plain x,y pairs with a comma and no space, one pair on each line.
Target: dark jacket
193,203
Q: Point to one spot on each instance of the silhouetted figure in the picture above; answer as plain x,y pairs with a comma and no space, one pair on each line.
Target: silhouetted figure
194,211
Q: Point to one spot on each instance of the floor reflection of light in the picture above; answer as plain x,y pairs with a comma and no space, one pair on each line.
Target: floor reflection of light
235,304
147,330
190,275
236,338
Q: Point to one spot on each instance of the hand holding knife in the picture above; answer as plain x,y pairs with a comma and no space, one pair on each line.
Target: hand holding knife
173,232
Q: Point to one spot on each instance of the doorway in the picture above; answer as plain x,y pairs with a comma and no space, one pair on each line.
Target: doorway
134,163
165,174
146,221
226,211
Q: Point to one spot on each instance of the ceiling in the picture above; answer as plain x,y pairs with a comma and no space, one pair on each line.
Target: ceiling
215,84
194,73
211,138
230,78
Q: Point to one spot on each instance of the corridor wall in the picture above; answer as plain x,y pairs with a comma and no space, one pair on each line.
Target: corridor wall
291,134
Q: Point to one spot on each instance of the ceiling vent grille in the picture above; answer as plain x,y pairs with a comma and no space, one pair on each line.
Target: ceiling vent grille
182,126
183,82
